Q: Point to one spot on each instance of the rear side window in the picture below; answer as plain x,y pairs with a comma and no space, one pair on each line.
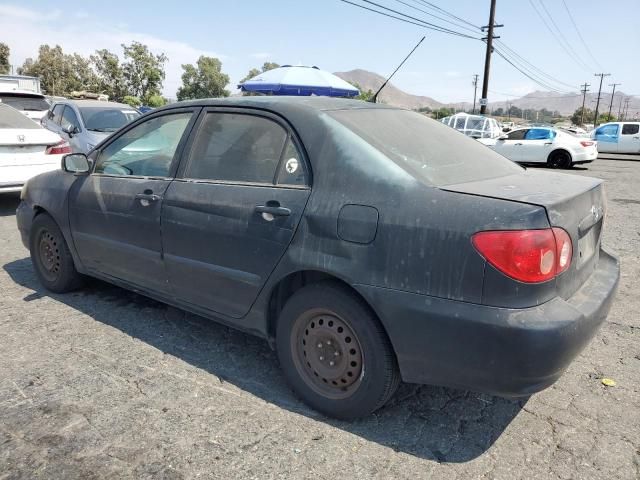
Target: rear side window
630,128
237,148
538,134
425,148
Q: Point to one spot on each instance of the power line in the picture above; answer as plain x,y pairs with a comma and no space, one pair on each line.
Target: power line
449,14
537,81
586,47
474,30
556,36
385,14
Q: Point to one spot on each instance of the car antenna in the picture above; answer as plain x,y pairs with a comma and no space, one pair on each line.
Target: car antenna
374,99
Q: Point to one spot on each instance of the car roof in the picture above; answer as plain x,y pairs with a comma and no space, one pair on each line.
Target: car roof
94,103
17,92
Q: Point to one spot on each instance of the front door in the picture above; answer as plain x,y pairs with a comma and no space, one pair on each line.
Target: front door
232,212
536,145
511,147
70,119
607,137
629,141
115,211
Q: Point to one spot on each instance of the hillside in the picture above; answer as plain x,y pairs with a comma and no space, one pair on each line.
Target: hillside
566,104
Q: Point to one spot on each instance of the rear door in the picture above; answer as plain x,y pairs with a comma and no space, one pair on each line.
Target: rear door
234,208
536,145
512,146
629,141
115,211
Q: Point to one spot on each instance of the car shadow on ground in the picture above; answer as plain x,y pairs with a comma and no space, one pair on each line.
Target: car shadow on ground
432,423
8,203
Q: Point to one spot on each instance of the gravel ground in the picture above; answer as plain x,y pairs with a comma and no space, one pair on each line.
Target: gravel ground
104,383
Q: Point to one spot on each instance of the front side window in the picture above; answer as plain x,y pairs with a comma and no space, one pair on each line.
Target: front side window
237,148
517,134
69,118
630,128
147,149
608,130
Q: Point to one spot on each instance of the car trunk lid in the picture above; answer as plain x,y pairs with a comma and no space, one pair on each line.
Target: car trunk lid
576,204
25,146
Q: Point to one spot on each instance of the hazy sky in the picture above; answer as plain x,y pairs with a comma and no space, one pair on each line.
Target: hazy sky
336,36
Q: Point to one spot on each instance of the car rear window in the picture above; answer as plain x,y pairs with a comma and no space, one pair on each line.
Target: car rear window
101,119
25,102
12,118
428,150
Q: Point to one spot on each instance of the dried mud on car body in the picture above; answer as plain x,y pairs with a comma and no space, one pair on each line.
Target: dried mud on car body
103,383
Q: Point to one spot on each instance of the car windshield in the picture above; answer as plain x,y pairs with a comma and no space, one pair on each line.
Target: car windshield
107,119
12,118
427,149
24,102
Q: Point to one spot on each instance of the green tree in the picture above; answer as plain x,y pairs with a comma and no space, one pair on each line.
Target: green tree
143,71
363,95
156,101
577,118
5,66
59,73
132,101
110,77
203,80
443,112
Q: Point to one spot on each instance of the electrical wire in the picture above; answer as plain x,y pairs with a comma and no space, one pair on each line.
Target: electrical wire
449,14
455,24
586,47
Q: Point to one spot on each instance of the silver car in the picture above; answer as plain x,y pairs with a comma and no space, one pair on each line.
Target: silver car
85,123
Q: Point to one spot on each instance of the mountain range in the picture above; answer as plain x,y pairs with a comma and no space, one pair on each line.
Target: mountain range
566,104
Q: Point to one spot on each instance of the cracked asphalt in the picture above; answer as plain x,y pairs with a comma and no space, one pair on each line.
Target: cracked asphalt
104,383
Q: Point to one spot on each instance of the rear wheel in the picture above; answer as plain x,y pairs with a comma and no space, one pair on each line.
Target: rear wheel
559,159
50,256
335,353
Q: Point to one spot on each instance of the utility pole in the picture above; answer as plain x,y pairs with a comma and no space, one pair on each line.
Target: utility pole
584,96
487,58
620,108
475,91
626,107
612,94
601,75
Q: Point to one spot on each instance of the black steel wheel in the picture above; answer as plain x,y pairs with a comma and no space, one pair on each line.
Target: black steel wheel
50,256
335,353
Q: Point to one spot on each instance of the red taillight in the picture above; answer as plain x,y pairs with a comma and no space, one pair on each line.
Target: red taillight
586,144
58,149
530,256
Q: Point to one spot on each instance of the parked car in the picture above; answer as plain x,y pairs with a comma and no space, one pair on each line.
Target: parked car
367,243
26,149
546,145
85,123
33,105
618,137
474,126
508,126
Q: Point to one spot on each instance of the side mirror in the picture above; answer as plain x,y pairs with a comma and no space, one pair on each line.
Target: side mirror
503,137
70,129
77,163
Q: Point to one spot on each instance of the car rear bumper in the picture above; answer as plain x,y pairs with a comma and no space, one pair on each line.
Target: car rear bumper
585,156
501,351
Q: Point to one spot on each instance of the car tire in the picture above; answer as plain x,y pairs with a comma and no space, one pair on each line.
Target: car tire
559,159
51,258
335,353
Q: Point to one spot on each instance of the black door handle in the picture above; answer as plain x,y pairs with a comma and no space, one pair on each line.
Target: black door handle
273,210
548,143
516,144
149,197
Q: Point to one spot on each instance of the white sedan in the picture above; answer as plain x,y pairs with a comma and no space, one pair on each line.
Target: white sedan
544,145
26,149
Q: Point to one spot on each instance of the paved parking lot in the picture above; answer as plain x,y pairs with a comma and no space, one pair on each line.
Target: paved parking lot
104,383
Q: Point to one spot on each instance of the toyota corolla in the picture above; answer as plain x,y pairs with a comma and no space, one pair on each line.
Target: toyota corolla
367,244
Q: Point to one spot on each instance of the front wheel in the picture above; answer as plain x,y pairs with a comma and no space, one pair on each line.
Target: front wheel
334,352
50,256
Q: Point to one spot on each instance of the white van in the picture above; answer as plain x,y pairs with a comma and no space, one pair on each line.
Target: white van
618,137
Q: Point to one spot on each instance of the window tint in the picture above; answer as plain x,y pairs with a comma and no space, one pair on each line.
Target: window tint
292,167
428,150
69,117
32,103
236,148
107,119
57,113
517,134
608,130
630,128
538,134
147,149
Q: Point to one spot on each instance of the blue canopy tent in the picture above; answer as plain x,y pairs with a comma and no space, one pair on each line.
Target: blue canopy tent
299,81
